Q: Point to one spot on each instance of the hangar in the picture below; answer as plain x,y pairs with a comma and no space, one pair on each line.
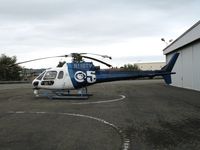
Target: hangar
187,67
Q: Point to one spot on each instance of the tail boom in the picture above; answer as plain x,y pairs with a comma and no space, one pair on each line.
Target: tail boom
111,75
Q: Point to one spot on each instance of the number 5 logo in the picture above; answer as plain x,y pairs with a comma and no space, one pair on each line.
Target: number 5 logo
91,76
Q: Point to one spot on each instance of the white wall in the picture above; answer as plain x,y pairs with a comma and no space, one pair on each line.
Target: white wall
196,66
187,67
177,78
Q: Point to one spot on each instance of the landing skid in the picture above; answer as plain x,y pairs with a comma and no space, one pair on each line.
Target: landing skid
71,96
63,94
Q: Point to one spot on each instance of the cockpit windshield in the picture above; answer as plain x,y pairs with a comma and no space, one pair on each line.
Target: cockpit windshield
50,75
41,75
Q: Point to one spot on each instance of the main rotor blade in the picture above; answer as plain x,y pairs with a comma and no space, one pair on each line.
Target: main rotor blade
97,61
39,59
72,55
104,56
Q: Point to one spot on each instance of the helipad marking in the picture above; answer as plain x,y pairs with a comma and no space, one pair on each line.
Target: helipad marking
99,102
125,140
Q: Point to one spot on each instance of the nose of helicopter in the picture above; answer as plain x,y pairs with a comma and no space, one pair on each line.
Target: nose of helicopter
35,83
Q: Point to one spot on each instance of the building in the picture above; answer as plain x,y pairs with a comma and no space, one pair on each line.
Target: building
150,66
30,74
187,66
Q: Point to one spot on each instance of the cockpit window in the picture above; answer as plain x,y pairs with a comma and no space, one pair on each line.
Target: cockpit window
41,75
50,75
60,75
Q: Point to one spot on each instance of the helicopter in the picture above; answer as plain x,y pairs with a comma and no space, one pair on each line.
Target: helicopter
79,74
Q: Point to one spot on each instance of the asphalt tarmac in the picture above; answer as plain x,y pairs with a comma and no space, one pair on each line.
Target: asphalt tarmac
136,115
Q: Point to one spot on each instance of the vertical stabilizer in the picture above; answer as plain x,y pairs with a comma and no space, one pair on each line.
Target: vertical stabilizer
167,78
170,65
168,68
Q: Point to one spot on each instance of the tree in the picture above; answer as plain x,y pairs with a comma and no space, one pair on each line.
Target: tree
8,70
130,67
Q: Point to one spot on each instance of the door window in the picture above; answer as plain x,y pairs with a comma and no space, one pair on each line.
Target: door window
60,75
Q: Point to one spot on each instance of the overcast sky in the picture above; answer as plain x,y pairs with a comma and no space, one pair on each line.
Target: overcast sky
128,30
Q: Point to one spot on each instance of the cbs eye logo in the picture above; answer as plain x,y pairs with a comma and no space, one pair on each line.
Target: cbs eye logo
80,76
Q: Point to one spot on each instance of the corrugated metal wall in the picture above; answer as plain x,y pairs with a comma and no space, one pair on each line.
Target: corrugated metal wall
187,67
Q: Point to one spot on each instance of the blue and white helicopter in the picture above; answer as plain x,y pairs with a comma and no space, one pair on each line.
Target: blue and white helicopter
78,75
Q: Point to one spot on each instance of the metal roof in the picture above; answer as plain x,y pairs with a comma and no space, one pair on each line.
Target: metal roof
189,36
